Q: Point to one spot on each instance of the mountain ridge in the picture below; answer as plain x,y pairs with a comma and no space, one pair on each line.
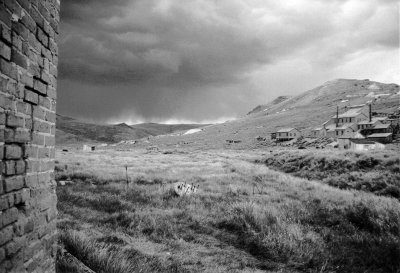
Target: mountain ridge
72,131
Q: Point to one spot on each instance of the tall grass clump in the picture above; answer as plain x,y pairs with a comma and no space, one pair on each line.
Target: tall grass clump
102,255
377,172
317,235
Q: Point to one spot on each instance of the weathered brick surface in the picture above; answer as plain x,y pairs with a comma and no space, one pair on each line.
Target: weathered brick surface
28,83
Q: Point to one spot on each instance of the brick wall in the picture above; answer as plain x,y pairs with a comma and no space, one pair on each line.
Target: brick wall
28,81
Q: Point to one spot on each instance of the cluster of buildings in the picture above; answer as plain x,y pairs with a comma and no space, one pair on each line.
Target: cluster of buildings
356,128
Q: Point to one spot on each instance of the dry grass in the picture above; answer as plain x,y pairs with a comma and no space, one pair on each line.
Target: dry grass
377,172
288,225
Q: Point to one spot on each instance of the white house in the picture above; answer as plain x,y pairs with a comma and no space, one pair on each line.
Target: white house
287,134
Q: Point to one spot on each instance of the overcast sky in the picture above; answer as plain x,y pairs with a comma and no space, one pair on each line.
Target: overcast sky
211,60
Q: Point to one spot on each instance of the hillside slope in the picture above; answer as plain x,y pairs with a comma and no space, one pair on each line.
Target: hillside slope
307,110
266,107
72,131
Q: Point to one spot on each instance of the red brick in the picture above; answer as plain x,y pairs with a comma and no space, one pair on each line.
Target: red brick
32,166
23,107
42,37
5,17
19,59
45,76
13,6
41,127
29,23
13,152
35,44
9,135
31,151
39,87
2,255
9,167
29,226
37,139
5,33
51,92
45,102
53,47
14,121
6,235
49,141
28,124
7,103
31,97
44,153
20,29
8,216
16,41
14,183
5,51
37,17
22,136
20,167
3,203
8,69
14,246
2,118
34,69
26,4
32,181
27,80
44,12
50,116
53,70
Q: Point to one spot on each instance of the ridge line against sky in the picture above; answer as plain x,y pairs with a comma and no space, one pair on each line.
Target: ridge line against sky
204,60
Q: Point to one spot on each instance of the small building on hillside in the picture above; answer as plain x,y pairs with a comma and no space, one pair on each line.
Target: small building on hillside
318,132
365,145
346,129
352,114
366,124
87,148
287,134
382,128
381,137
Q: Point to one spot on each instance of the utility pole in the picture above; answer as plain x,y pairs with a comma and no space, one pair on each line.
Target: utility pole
337,116
127,179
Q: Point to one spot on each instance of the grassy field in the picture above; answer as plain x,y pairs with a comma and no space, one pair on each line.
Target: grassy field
377,171
245,217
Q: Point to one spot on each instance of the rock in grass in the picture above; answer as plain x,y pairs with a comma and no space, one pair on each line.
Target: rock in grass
182,188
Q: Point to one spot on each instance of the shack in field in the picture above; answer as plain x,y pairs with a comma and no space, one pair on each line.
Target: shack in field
381,137
287,134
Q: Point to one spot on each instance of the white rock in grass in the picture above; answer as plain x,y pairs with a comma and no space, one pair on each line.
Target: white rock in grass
182,188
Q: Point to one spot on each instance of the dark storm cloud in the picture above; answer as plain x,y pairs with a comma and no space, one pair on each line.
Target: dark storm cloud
161,56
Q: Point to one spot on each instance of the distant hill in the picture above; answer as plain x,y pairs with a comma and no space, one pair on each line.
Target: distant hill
305,111
265,107
72,131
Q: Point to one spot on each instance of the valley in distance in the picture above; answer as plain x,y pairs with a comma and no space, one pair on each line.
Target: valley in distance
309,183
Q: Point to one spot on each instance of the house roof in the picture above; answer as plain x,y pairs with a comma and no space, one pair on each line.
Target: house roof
373,121
355,135
352,112
380,135
361,141
380,118
332,127
381,126
285,130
